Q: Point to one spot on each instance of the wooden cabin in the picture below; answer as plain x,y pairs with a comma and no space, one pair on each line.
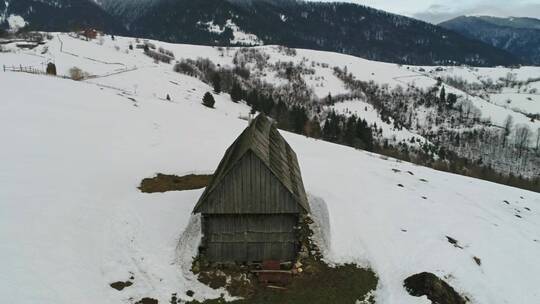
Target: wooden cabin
90,33
252,206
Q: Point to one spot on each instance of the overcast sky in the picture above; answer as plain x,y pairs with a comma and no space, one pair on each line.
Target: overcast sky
436,11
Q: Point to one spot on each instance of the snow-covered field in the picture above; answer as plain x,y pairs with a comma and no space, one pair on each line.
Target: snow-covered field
112,64
72,220
367,112
520,102
524,98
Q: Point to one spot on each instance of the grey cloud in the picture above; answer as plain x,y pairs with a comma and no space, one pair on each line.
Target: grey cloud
436,14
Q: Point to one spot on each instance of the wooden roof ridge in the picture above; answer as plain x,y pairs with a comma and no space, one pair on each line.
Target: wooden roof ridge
263,139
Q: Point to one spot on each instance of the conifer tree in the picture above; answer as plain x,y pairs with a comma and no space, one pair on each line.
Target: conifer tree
281,113
236,92
350,131
252,99
451,100
208,100
216,83
313,128
442,97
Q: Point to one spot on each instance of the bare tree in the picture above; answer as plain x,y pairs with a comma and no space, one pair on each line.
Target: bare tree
77,74
510,79
507,128
538,142
522,139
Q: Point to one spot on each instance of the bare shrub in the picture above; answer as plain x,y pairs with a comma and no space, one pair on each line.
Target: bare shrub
77,74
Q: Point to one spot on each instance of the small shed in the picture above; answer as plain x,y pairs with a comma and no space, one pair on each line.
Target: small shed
252,206
89,33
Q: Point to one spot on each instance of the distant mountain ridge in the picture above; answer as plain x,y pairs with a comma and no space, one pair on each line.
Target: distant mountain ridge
519,36
339,27
514,22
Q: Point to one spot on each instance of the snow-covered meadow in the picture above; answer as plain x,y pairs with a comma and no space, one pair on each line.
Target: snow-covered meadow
72,220
104,56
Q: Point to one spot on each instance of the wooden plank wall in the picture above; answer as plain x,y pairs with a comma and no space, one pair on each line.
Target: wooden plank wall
250,188
250,238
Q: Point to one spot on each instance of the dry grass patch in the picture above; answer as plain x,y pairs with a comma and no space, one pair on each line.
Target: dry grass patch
165,183
316,283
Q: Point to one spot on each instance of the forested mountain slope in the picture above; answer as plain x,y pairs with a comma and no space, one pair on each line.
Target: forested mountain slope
59,15
518,36
340,27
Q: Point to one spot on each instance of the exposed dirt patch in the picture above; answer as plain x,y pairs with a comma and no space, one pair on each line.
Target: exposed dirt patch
313,281
147,301
165,182
318,284
437,290
454,242
121,285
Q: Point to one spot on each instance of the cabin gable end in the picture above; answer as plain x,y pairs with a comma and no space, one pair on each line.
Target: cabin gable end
250,187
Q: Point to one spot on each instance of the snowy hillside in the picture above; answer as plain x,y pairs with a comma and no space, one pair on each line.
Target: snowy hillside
112,64
405,111
72,220
104,56
519,87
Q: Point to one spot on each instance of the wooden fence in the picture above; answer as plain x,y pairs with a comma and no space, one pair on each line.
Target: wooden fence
24,69
30,70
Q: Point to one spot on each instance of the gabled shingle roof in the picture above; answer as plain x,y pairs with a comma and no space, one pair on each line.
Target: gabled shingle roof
263,139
